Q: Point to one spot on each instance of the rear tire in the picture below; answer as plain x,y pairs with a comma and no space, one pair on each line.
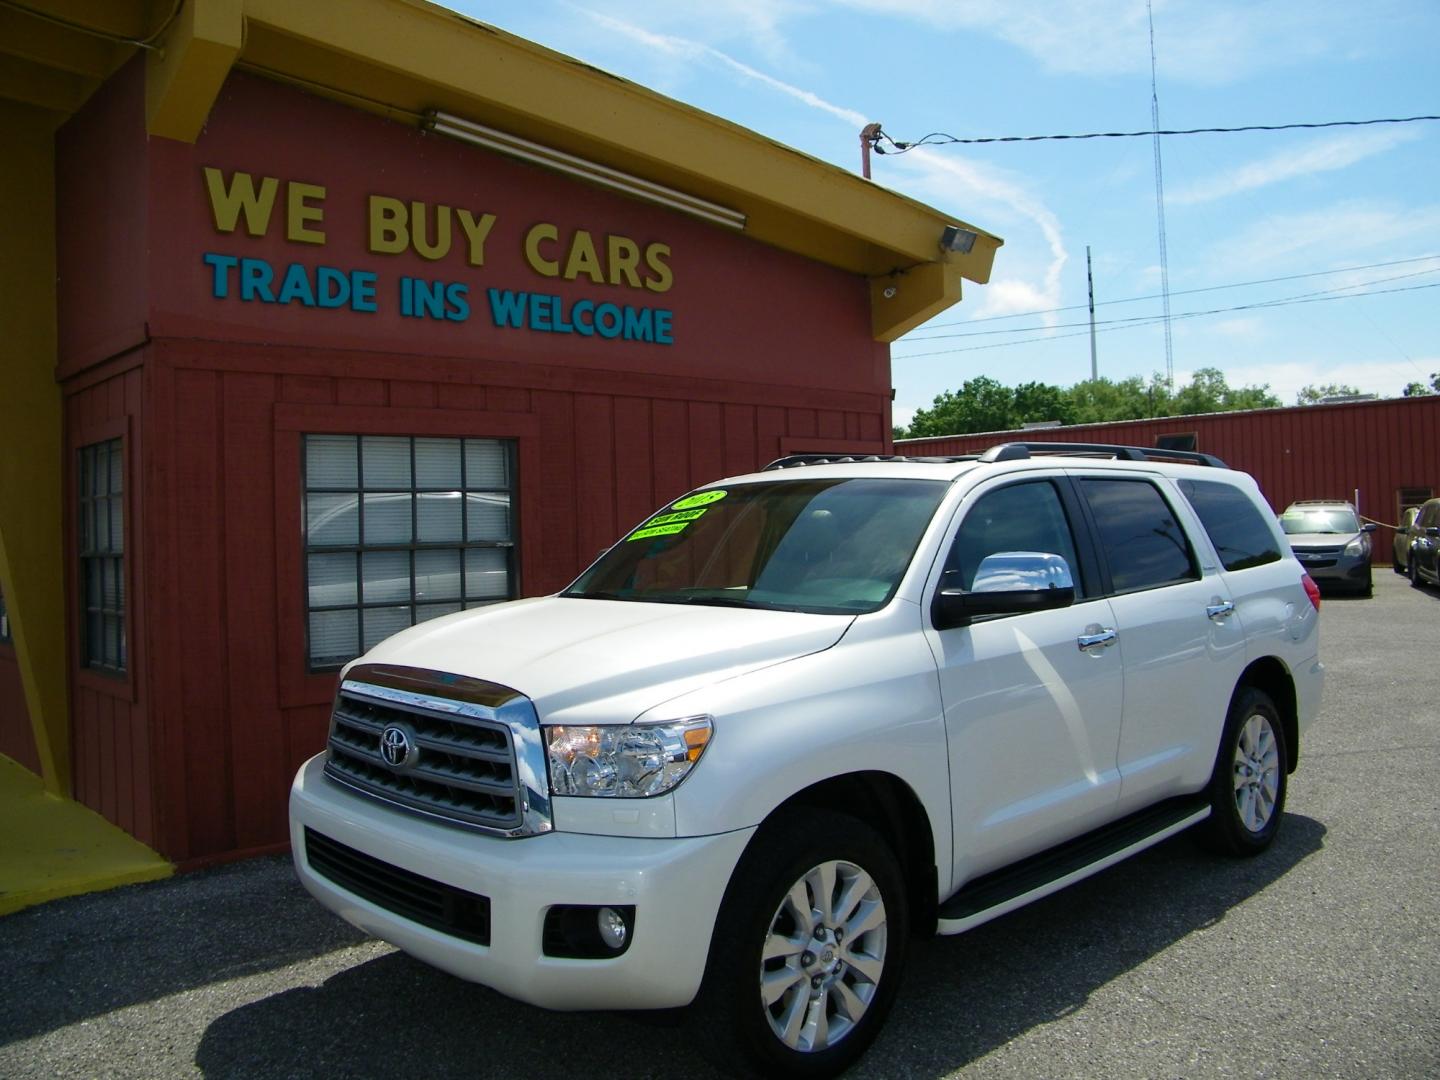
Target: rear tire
782,987
1247,789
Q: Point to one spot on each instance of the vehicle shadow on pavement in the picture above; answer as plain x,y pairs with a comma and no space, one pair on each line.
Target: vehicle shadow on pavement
961,998
74,959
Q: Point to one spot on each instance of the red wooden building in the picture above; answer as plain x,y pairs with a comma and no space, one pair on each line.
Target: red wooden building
1382,455
322,367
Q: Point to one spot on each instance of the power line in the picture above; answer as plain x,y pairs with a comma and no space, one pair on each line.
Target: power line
940,138
1140,321
1181,292
1278,301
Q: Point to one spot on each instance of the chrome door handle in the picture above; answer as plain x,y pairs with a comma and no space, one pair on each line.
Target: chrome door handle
1105,637
1220,610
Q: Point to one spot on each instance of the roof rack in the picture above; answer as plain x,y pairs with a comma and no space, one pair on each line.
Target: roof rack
1011,451
1019,451
792,461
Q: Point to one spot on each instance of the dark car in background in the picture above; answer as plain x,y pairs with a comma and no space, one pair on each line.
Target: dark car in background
1422,561
1331,543
1400,563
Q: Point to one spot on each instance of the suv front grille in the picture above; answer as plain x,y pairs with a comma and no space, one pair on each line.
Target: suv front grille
431,903
458,767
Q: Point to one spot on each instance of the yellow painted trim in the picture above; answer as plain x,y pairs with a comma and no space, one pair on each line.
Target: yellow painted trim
31,542
184,76
918,294
55,847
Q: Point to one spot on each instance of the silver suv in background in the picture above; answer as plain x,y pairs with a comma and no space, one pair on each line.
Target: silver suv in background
1331,543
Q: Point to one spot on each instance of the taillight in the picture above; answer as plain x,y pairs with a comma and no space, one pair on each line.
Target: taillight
1311,590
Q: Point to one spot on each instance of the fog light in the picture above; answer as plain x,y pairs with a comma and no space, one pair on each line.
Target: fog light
613,930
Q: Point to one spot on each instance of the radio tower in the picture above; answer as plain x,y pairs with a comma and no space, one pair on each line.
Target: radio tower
1160,205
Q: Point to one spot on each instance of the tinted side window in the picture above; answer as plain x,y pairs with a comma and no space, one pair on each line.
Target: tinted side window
1236,528
1021,517
1143,542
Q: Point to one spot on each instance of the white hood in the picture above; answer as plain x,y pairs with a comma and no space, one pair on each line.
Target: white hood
606,661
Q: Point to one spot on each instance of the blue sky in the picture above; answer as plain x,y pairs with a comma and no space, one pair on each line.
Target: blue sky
1239,207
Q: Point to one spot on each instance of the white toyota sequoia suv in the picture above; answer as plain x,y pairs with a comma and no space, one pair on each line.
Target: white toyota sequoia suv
795,718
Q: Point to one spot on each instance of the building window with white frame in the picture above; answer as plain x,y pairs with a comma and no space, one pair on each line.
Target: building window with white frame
401,529
100,531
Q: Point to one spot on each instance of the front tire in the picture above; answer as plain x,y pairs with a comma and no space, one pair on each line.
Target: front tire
809,949
1247,789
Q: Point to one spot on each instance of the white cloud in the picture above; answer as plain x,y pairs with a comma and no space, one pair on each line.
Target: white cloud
1341,233
1324,155
1199,41
1285,379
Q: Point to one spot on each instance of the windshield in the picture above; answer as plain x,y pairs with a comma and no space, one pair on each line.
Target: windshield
821,546
1335,520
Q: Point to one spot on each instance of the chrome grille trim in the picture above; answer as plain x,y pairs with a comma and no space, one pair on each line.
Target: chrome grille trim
480,762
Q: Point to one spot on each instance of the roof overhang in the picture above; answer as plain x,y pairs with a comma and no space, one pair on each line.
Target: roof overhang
406,58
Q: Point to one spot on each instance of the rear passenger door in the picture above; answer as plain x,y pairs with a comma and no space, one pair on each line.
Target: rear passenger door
1182,647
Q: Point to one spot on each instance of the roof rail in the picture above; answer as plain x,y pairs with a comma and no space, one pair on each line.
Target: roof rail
792,461
1019,451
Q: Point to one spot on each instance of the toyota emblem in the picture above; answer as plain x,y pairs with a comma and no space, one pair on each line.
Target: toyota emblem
395,746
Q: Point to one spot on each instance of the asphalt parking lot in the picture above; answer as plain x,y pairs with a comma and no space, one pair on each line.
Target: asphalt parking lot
1321,958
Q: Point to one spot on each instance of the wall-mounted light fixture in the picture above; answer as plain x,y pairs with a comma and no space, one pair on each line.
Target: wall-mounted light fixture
957,240
535,153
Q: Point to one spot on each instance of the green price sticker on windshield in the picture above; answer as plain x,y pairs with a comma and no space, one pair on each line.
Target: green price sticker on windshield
704,498
659,530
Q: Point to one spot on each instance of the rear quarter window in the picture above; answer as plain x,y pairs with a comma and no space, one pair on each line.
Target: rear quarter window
1236,527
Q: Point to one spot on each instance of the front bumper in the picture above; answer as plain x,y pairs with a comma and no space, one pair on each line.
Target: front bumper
675,885
1331,569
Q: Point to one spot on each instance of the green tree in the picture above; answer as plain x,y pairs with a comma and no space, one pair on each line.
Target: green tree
1310,395
1036,402
981,404
1096,401
1420,389
1209,392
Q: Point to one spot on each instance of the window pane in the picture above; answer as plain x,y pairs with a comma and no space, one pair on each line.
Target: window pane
439,516
486,574
334,637
111,654
387,576
486,464
487,517
437,463
117,525
387,519
101,537
437,575
331,461
386,462
1143,542
110,599
117,483
332,580
86,465
434,611
381,623
331,520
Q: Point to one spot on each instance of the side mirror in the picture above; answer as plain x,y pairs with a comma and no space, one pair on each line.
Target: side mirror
1006,583
1369,526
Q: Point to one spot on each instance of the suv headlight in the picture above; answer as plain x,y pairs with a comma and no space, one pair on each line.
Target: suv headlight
627,761
1359,546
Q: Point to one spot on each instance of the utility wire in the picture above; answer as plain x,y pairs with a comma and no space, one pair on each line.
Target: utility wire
1151,321
1278,301
1180,292
940,138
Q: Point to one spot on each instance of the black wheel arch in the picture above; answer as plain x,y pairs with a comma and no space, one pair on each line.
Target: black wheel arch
1271,675
889,806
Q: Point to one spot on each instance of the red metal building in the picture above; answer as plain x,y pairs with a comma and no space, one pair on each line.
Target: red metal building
1385,454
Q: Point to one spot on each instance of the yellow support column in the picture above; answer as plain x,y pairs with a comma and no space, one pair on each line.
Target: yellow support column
184,76
31,543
